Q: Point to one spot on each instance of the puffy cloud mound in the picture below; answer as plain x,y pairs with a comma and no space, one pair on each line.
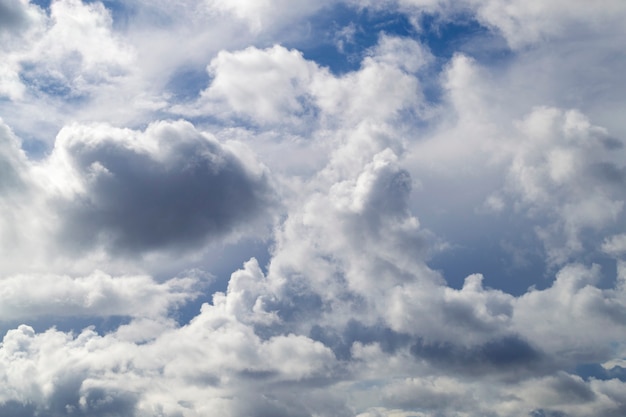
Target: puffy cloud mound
168,187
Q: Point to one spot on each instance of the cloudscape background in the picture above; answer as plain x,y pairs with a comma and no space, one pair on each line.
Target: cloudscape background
272,208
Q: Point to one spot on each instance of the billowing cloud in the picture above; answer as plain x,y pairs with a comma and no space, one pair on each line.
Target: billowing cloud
168,186
564,152
277,85
106,193
267,86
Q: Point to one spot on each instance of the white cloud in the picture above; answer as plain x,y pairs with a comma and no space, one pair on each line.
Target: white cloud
278,86
71,51
20,22
37,296
615,245
267,85
406,54
377,92
570,318
564,167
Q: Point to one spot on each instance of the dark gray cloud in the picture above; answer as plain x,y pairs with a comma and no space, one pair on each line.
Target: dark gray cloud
186,190
17,409
68,400
107,403
12,15
572,389
289,402
341,341
609,173
611,143
500,355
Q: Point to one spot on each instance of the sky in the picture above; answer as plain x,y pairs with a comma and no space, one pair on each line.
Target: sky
342,208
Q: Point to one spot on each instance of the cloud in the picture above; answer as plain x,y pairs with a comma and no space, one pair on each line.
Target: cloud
112,194
615,245
524,23
19,21
15,16
99,294
504,354
558,168
72,50
12,15
13,162
278,86
168,187
265,85
573,296
521,23
435,394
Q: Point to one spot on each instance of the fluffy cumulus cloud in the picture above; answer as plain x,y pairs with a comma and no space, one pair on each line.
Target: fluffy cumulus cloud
105,193
339,208
168,186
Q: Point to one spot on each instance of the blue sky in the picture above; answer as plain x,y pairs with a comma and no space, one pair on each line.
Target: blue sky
312,208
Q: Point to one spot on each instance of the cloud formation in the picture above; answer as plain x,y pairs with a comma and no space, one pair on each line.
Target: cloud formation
168,186
439,212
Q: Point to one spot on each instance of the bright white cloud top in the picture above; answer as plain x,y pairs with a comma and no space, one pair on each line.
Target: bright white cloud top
312,208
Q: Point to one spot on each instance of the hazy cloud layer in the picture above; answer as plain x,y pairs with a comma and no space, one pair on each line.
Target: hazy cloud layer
424,201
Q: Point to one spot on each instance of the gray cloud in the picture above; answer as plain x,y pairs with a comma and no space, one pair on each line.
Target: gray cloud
12,163
17,409
12,15
572,389
609,173
342,340
168,188
499,355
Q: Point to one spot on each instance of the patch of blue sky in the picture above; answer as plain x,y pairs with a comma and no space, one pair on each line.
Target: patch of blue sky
512,265
508,254
47,85
353,31
589,371
120,11
36,149
339,37
44,4
187,82
464,35
342,44
43,83
500,269
101,325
